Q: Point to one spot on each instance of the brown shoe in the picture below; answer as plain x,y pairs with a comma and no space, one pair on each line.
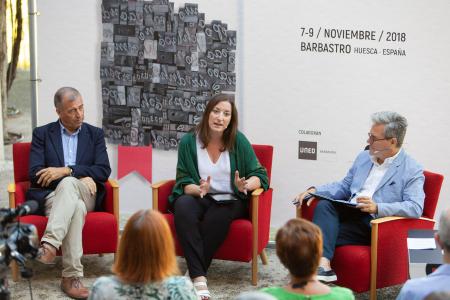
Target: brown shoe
46,254
73,287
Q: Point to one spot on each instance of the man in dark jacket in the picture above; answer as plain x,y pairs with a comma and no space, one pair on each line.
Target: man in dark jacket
68,167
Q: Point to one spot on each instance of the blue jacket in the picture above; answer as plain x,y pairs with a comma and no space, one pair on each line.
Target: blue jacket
400,192
47,151
419,288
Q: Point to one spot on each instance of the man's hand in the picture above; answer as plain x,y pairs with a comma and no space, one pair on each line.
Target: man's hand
47,175
298,200
204,186
366,204
90,183
241,183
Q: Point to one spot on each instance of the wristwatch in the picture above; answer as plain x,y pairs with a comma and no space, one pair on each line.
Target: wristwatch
71,170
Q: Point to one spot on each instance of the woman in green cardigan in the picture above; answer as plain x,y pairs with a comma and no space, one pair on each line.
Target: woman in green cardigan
216,158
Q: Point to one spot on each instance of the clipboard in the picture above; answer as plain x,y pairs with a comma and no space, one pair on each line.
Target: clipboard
341,202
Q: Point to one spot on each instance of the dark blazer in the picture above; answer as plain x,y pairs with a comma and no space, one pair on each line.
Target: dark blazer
47,151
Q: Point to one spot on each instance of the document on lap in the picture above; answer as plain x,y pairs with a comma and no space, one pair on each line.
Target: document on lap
337,201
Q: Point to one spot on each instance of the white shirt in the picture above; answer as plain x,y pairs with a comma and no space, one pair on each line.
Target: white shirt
373,180
220,171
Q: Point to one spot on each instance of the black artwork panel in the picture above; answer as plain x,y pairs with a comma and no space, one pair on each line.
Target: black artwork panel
159,68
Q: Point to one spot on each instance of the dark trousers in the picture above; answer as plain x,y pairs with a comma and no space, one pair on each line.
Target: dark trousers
202,225
341,225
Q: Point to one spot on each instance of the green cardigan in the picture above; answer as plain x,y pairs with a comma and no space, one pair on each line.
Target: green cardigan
336,293
242,158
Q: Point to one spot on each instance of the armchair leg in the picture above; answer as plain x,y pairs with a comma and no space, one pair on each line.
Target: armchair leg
255,270
263,256
373,262
14,271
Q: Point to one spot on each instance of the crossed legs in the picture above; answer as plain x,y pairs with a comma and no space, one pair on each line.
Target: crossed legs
66,208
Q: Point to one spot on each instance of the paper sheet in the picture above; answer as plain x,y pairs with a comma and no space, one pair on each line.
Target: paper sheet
421,243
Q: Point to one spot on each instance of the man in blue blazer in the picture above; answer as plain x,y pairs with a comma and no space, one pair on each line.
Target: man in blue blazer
383,181
68,167
438,281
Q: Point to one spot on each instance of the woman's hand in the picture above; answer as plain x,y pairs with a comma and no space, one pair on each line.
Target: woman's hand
204,186
240,183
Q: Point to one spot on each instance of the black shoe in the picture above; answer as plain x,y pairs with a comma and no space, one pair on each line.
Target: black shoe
326,276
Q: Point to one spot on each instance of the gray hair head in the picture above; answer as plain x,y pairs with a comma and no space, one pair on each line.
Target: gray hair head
444,229
395,125
69,92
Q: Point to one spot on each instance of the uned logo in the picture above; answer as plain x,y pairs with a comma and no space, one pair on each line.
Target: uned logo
307,150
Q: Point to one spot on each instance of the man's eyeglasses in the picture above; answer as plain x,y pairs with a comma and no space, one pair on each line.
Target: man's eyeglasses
373,139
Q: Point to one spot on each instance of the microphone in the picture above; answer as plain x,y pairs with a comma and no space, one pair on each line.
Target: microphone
7,215
29,207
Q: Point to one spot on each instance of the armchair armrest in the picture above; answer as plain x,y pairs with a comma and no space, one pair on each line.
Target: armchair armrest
393,218
260,209
257,192
112,199
389,249
12,195
161,192
16,192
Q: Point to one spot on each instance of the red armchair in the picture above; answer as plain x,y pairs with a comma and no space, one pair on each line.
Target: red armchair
100,232
250,235
385,262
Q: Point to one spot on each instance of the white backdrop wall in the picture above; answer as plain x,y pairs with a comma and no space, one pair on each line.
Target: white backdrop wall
283,91
287,90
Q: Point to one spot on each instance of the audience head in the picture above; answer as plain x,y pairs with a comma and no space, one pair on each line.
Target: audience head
443,234
220,117
299,247
146,250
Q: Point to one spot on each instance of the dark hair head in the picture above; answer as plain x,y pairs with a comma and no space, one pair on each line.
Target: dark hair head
299,247
146,249
69,92
229,135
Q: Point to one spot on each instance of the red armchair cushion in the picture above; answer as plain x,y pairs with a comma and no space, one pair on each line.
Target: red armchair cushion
21,161
352,266
432,189
264,153
98,224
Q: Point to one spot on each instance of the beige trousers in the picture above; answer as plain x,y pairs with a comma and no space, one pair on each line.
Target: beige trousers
66,208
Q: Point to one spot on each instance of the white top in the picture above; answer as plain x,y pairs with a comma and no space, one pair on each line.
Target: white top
376,174
220,171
